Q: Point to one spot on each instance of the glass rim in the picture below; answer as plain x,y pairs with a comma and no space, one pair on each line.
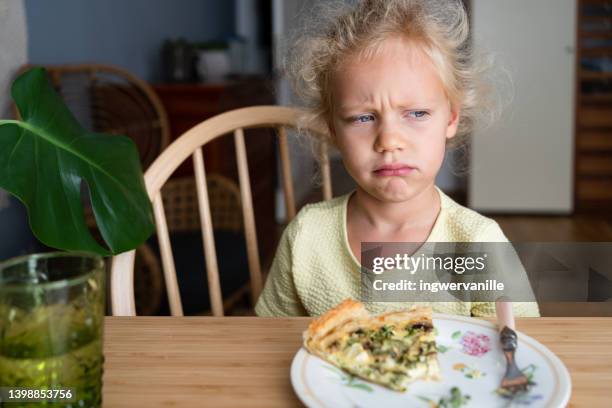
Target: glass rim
98,264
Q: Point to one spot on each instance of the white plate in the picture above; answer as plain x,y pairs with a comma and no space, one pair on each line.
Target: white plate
470,358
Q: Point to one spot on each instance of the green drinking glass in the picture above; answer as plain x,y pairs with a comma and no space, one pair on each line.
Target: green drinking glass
51,330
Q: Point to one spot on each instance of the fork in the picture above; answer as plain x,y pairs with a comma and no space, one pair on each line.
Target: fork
514,381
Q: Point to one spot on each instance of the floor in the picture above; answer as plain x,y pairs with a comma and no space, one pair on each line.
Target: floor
581,227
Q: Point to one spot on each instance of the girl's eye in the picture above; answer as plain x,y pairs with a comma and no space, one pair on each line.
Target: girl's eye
363,118
418,114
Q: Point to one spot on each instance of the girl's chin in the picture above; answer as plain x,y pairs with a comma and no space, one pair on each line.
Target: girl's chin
393,190
393,197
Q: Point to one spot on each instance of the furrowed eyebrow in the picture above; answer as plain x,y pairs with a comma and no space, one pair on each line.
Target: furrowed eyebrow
355,107
405,104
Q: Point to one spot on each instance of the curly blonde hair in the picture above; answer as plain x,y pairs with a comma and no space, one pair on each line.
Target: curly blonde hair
341,30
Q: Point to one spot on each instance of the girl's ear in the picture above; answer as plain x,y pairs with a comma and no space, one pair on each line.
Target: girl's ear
453,122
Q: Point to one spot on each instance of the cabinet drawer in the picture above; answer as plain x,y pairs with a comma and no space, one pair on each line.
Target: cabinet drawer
595,164
594,141
594,190
595,117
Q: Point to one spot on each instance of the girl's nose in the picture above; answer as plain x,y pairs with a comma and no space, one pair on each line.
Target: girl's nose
389,138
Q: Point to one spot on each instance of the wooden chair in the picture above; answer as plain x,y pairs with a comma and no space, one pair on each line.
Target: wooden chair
190,144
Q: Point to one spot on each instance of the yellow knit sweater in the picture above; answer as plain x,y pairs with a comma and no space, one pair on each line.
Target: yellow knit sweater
314,268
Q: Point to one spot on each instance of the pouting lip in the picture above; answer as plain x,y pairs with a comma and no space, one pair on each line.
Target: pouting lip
393,166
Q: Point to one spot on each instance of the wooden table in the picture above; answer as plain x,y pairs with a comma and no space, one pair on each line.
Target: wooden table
245,361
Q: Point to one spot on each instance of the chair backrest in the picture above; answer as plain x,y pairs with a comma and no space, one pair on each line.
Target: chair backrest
190,144
109,99
181,204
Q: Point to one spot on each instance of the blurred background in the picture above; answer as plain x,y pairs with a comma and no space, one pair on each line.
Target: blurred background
152,69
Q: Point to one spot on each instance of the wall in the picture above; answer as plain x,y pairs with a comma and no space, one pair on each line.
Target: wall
248,25
286,18
13,48
127,33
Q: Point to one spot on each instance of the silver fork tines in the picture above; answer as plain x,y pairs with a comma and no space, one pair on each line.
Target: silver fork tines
514,381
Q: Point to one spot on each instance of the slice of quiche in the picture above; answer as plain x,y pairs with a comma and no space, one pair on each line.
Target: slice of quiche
392,349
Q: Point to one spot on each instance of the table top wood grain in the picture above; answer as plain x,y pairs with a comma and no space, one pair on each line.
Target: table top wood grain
245,361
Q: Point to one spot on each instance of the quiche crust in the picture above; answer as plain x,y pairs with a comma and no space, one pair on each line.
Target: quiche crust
392,349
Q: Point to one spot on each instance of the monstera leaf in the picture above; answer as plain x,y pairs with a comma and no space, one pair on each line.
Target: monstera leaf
44,158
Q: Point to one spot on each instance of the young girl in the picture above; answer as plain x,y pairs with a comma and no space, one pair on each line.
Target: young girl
395,83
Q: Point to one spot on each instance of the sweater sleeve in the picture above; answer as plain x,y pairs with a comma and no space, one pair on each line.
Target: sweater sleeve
279,297
493,233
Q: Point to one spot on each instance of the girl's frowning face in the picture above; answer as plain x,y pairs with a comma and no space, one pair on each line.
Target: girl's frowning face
391,119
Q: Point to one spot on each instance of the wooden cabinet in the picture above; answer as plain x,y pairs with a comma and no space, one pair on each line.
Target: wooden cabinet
189,104
593,170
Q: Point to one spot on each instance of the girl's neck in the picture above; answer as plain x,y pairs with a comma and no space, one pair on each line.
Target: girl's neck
387,217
